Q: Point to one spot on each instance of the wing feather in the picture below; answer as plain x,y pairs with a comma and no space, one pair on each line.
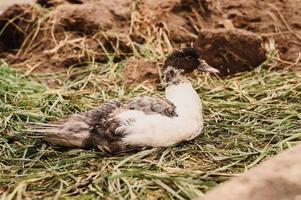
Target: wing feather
152,105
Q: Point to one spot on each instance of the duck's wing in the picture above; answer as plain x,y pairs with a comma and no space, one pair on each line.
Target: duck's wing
107,133
77,130
152,105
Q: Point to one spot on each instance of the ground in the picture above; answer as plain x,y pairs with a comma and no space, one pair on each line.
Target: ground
65,56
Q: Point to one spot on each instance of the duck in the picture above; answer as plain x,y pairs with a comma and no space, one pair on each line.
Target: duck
140,122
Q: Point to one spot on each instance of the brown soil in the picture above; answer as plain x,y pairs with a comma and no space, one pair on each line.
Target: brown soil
71,34
75,32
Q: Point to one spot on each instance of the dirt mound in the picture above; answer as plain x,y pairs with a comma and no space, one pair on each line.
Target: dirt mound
76,32
231,51
72,34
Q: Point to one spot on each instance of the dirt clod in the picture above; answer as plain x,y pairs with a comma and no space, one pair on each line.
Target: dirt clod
231,51
82,19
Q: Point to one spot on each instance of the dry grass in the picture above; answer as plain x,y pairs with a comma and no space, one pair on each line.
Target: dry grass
249,117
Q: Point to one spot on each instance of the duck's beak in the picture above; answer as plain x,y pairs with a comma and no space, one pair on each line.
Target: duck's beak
204,67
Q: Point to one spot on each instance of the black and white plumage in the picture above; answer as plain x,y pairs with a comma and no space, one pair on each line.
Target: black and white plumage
141,121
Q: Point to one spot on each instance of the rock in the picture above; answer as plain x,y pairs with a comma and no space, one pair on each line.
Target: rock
230,51
277,179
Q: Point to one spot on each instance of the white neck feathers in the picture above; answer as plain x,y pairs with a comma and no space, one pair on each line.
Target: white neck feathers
185,98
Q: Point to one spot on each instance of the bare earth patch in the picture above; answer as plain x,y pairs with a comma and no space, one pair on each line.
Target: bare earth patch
77,32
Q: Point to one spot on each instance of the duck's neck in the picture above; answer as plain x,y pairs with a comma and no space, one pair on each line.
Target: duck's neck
181,93
185,99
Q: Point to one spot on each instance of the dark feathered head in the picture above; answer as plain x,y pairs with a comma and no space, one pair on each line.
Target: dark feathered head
188,59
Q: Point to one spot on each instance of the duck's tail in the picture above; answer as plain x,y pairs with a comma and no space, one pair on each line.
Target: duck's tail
73,134
76,131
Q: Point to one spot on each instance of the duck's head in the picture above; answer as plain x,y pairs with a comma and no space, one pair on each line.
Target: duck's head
184,60
188,60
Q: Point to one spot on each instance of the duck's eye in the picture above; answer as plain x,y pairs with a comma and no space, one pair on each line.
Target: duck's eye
189,57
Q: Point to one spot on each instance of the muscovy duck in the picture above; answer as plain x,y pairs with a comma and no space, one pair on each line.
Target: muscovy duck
144,121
